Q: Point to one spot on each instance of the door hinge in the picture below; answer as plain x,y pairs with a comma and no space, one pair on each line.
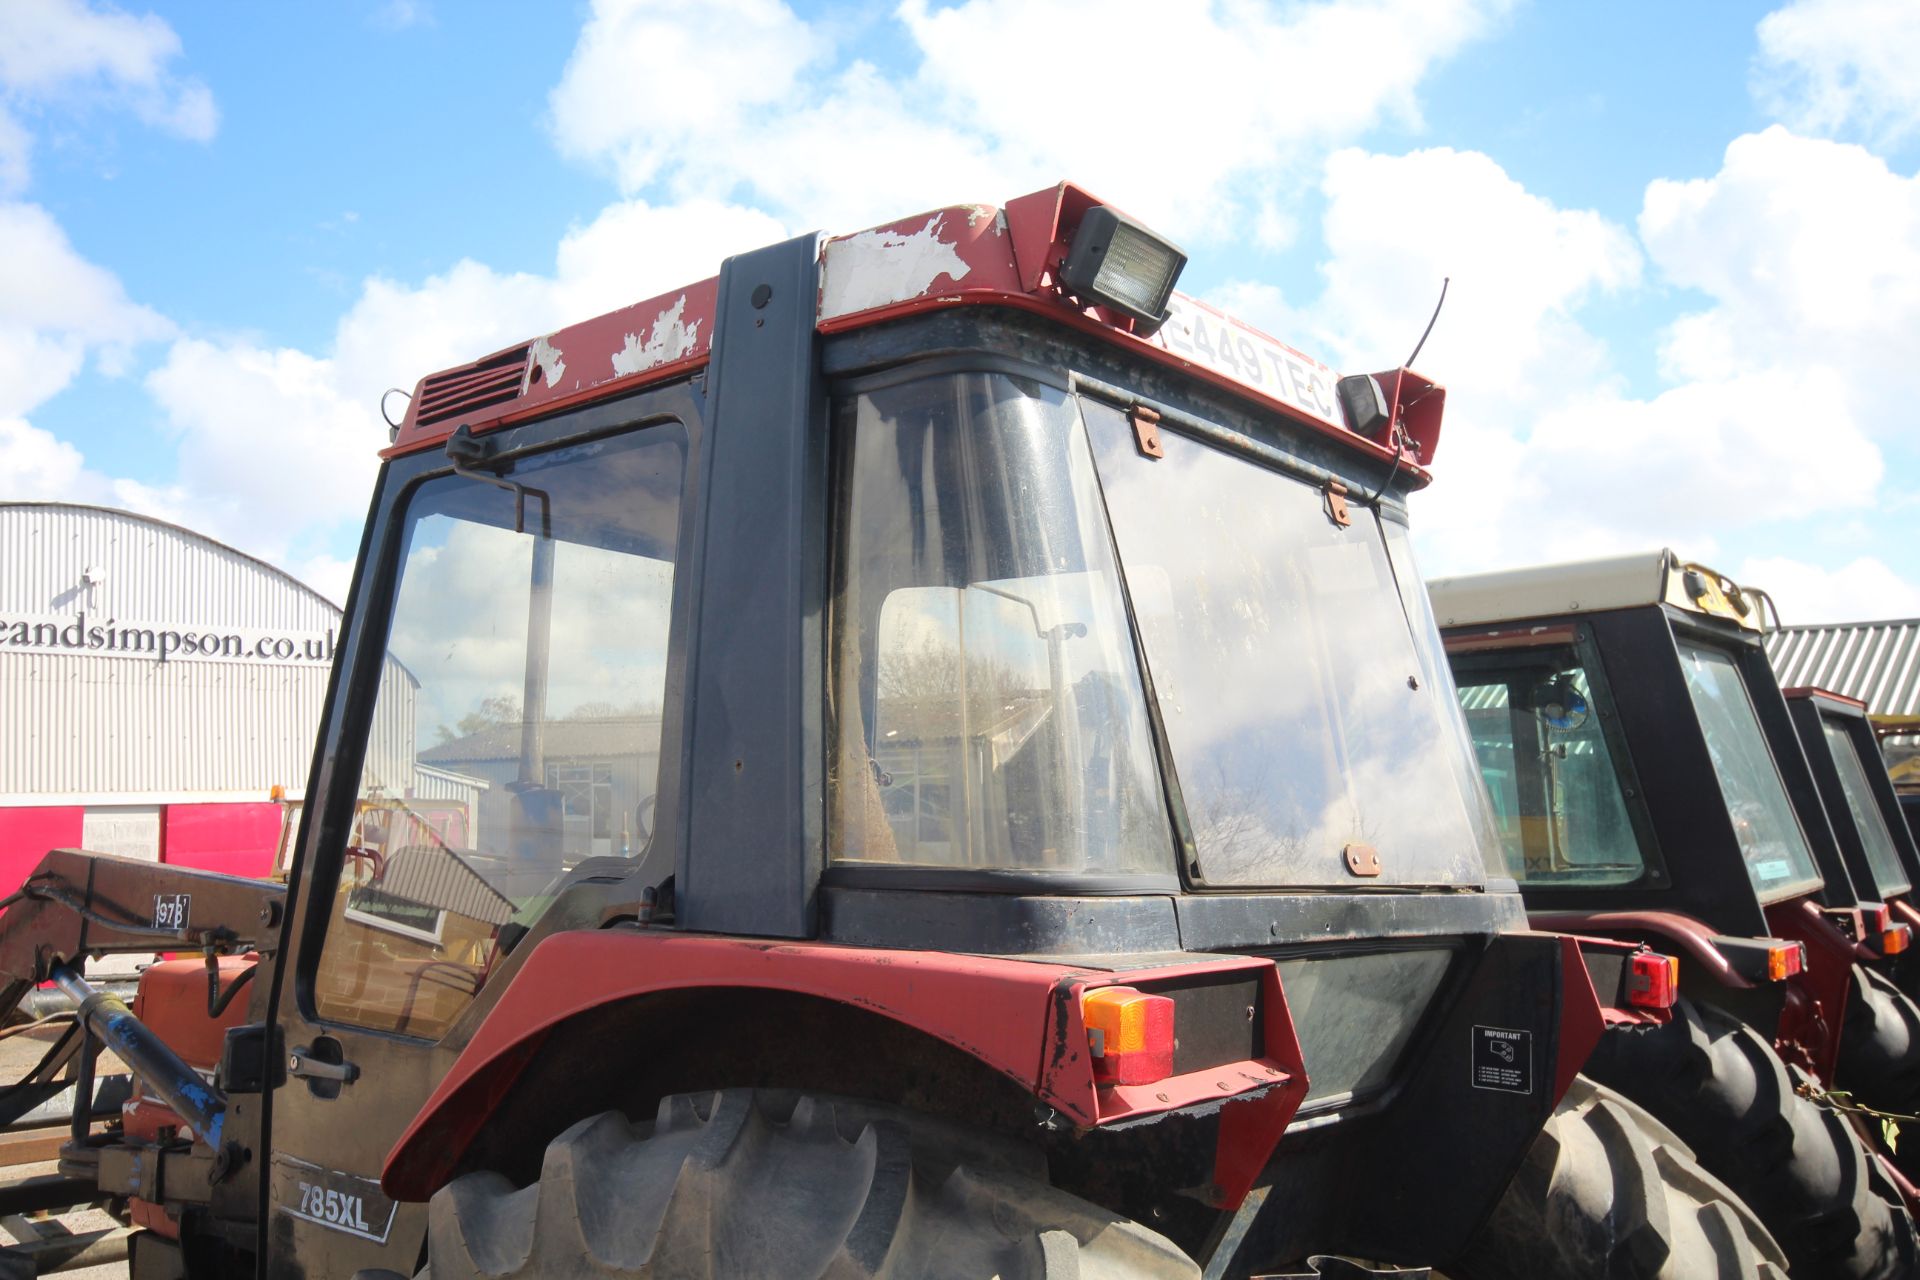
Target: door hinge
1337,504
1146,431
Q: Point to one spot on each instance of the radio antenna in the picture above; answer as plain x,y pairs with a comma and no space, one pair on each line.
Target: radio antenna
1444,282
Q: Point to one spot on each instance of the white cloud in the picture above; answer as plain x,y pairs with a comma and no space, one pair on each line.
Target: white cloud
1861,590
55,309
648,81
1694,465
1507,340
329,575
267,448
744,98
1508,346
1828,66
1810,253
277,448
16,148
37,465
635,250
69,53
1544,454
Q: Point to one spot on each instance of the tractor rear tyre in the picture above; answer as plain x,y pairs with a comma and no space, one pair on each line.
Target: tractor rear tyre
756,1183
1713,1081
1607,1192
1880,1057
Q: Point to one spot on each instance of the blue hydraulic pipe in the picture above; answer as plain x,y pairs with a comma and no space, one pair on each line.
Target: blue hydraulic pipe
201,1106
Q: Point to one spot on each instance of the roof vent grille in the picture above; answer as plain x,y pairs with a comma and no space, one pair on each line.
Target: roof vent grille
495,380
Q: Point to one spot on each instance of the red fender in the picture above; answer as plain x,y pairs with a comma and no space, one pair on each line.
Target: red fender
1021,1018
1689,936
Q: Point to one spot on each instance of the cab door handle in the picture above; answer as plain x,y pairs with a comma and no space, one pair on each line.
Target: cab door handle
324,1066
301,1062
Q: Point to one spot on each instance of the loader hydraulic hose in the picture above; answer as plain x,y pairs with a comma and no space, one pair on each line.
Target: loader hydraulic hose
198,1103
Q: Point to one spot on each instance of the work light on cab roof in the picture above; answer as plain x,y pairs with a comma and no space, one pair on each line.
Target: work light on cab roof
1118,263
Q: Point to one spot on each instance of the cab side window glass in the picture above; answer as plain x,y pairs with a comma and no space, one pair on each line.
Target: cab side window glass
517,727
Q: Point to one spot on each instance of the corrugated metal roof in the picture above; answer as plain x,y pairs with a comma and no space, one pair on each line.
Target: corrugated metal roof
1876,662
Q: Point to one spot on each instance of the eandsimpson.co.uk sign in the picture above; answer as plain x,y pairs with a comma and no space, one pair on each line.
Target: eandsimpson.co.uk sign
84,633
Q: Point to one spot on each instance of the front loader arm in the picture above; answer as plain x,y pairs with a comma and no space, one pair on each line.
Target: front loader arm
77,904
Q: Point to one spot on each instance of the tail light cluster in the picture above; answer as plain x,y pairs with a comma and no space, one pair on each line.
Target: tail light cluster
1784,959
1130,1034
1653,980
1883,935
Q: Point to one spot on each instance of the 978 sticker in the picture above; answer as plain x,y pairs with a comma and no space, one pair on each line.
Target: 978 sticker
171,911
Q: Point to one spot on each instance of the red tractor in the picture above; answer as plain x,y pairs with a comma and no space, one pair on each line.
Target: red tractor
961,779
1650,785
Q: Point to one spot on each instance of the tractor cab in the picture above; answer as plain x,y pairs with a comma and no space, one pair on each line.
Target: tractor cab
1859,797
1650,781
936,694
1642,760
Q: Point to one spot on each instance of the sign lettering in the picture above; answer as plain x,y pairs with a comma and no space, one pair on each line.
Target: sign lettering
107,637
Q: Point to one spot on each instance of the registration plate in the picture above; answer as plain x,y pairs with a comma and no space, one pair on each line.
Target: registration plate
332,1199
1197,333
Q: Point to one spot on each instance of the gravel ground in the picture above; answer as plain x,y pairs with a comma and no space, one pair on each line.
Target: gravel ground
78,1221
18,1055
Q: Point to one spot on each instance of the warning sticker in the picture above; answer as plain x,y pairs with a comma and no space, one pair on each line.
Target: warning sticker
1502,1059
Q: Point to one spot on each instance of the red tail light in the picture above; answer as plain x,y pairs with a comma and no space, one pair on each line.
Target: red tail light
1881,915
1653,980
1130,1033
1784,959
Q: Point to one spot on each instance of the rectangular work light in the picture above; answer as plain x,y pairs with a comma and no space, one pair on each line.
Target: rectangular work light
1116,262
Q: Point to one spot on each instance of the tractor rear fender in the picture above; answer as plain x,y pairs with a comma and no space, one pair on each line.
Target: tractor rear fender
1725,960
1021,1021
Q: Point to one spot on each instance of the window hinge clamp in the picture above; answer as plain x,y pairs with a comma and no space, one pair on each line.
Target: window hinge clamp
1337,504
1146,431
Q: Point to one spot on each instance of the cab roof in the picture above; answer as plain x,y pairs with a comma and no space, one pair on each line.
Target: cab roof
1657,577
1007,256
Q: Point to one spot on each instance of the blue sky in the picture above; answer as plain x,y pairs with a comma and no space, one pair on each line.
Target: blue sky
1684,239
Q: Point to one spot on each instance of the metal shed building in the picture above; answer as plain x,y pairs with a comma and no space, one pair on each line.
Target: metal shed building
1875,662
155,685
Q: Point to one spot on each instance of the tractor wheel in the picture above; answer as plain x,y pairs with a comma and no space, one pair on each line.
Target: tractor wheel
1608,1193
1880,1057
758,1183
1713,1081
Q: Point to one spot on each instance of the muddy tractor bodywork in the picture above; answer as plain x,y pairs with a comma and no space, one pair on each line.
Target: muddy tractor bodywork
816,679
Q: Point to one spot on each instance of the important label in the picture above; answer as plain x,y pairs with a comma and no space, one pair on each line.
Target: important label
1502,1059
